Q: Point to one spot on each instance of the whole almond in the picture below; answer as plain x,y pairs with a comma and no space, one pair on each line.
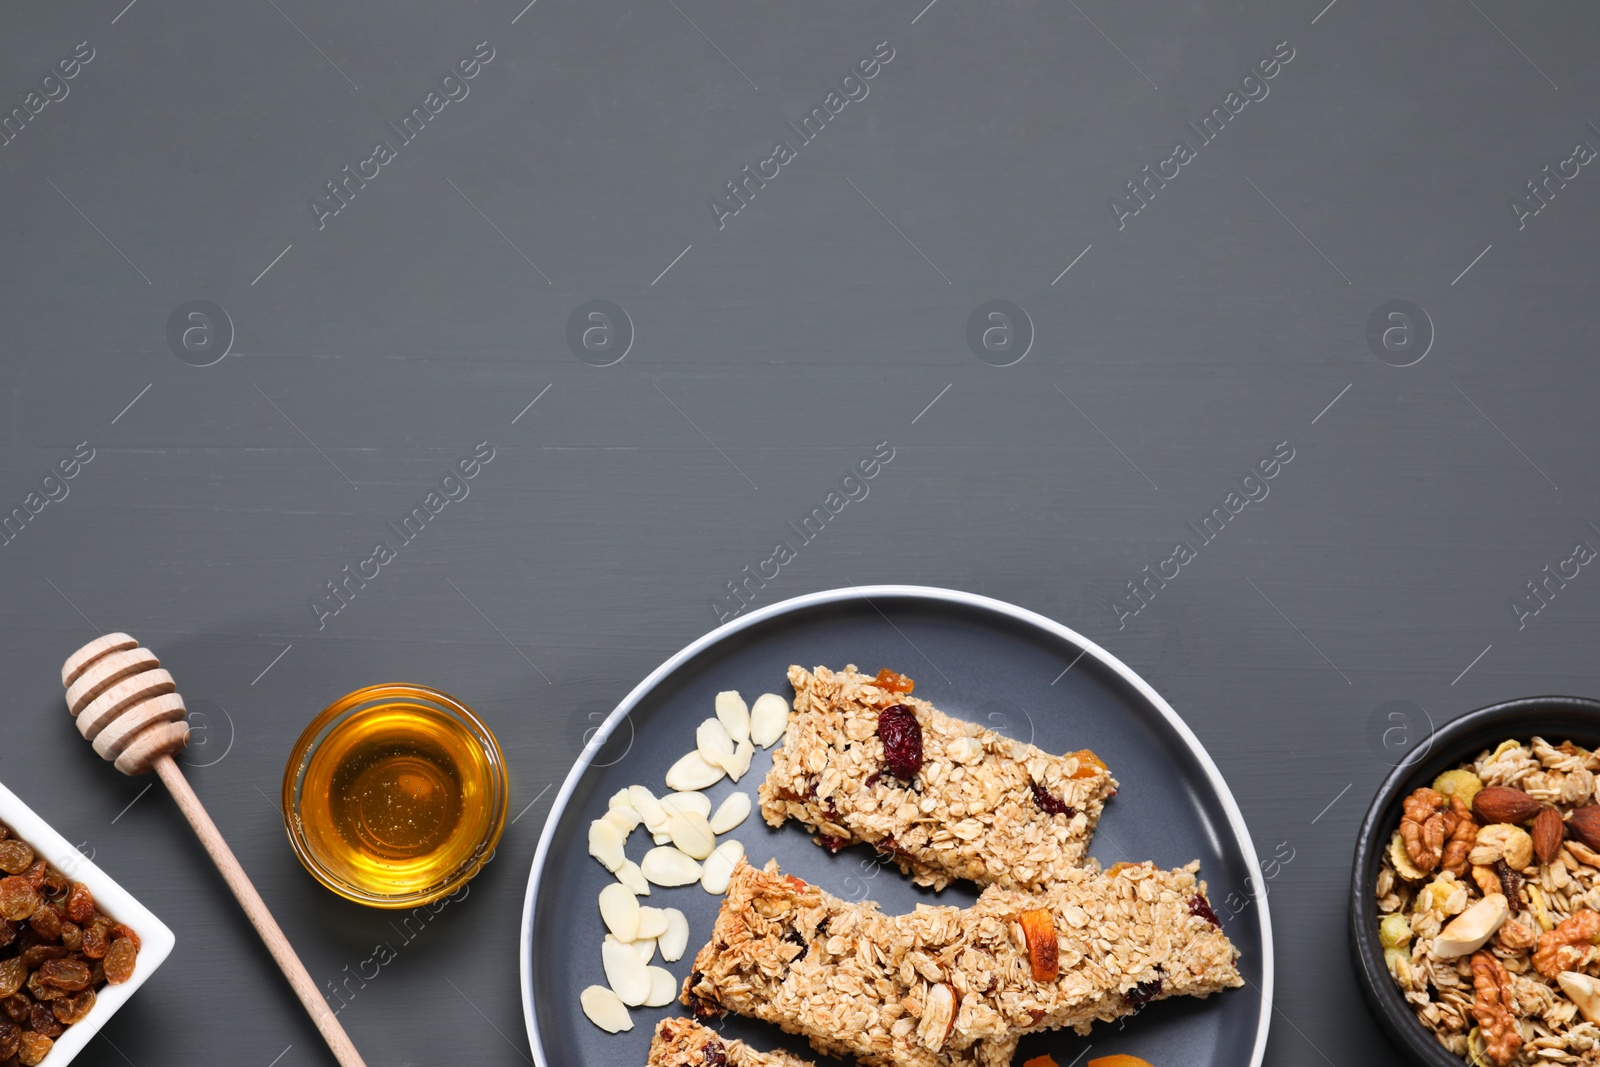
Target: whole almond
1547,832
1584,824
1503,804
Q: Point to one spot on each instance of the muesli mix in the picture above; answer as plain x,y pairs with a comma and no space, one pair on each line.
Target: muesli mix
1489,906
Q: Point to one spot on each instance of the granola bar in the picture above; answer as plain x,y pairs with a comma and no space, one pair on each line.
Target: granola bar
945,986
685,1043
977,805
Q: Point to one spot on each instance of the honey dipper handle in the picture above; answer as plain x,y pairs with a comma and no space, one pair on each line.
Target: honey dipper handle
256,909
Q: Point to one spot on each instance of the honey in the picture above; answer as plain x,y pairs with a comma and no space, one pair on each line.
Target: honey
397,795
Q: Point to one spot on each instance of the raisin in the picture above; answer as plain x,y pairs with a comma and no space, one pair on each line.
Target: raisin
41,1020
46,922
73,1008
36,874
71,937
35,1047
901,735
69,974
1511,882
893,682
35,955
95,941
119,961
1144,992
18,898
1051,804
80,903
8,932
10,1040
794,938
1200,906
713,1054
120,932
13,972
39,991
17,1006
15,856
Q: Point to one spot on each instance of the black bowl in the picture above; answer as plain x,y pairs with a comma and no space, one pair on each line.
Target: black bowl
1556,719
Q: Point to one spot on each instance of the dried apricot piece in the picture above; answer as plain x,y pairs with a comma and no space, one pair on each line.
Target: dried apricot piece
1089,764
1119,1060
893,681
119,961
1041,1061
1039,927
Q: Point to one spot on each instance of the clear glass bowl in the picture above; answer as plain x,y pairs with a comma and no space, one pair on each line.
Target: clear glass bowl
395,795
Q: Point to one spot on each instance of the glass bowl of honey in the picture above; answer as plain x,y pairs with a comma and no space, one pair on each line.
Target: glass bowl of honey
395,795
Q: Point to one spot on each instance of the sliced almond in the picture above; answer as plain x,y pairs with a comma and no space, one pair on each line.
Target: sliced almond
733,810
675,941
768,719
652,922
738,762
662,838
693,772
669,867
605,1009
629,875
649,808
1471,930
605,844
719,867
625,972
619,908
620,797
644,948
711,740
624,819
1583,991
938,1016
733,715
695,802
692,834
663,988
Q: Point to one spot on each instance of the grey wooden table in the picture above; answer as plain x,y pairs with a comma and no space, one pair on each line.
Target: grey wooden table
273,269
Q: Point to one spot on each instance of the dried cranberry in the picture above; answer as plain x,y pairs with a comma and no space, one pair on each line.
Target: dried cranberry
700,1007
901,735
1143,993
1051,804
831,843
1200,906
714,1055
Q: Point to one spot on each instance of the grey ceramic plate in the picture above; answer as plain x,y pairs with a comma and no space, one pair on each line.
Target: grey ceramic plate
975,658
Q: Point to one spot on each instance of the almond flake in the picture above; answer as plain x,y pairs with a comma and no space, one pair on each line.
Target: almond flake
711,740
669,867
605,1009
693,772
731,812
768,719
619,908
734,715
663,988
605,844
625,972
719,867
675,941
692,834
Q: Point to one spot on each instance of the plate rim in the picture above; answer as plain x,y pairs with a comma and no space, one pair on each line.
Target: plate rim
723,631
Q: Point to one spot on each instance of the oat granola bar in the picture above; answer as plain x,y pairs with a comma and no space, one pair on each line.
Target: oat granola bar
685,1043
945,986
974,805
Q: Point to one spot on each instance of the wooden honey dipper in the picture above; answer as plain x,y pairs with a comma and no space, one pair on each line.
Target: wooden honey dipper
130,708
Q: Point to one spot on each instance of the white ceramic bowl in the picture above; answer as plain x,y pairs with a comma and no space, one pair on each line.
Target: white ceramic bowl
155,940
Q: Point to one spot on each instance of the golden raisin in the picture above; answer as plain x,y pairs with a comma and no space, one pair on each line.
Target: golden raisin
119,961
74,1008
46,922
119,932
18,898
13,973
80,903
35,1047
41,1020
10,1040
15,856
69,974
